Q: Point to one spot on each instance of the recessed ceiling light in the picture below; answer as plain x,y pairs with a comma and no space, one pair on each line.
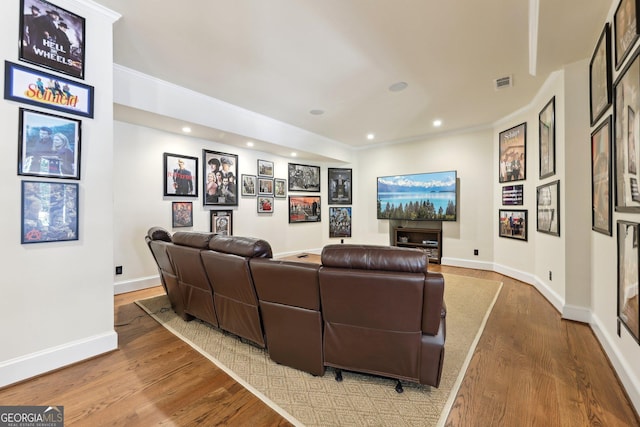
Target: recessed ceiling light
186,129
294,154
437,123
397,87
370,136
249,143
316,112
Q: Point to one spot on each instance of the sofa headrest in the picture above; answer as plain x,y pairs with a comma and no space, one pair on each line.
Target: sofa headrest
249,247
192,239
159,233
370,257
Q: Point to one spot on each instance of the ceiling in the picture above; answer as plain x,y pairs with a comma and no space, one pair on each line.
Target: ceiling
284,58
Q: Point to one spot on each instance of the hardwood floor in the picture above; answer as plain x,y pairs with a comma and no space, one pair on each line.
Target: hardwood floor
530,368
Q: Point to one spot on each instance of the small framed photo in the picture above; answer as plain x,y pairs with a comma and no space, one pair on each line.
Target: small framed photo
548,208
513,195
182,214
220,178
49,212
222,222
625,27
265,186
513,153
340,221
601,178
547,125
248,185
49,145
180,175
628,277
600,76
304,178
33,87
52,37
339,186
265,204
280,188
513,223
265,168
304,209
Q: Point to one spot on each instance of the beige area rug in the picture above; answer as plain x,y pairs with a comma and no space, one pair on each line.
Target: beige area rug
359,400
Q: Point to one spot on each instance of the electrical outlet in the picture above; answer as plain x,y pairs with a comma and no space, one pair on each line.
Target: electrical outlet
475,252
550,275
118,269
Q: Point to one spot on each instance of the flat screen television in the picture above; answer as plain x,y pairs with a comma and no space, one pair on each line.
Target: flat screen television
418,197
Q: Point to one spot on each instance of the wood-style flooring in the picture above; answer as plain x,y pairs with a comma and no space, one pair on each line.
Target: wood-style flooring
530,368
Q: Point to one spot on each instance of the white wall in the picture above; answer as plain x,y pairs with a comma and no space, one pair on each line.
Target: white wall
56,305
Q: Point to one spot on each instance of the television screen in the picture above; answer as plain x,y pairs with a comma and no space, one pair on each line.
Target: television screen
418,197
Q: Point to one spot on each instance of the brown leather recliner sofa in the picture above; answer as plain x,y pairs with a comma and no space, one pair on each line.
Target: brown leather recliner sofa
371,309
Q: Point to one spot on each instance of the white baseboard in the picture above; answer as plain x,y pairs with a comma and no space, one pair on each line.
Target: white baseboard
466,263
31,365
136,284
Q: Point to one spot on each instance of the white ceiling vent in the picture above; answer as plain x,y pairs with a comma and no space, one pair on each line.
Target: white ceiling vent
503,82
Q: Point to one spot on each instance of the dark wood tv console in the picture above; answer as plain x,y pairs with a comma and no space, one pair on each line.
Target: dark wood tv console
427,239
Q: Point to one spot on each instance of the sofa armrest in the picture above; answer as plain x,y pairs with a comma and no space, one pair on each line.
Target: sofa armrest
433,308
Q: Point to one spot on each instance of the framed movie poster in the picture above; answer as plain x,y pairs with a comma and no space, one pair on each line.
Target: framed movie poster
513,195
265,168
339,186
547,124
513,223
180,175
45,90
548,208
280,188
222,222
248,184
627,136
49,212
49,145
304,209
625,21
265,204
182,214
304,178
220,172
52,37
601,178
265,186
600,76
513,153
628,277
340,221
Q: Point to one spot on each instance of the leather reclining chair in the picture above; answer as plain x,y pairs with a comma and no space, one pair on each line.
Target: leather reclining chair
378,321
234,294
196,290
290,304
158,239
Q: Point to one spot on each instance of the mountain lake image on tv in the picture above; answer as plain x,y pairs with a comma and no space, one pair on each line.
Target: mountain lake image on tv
418,197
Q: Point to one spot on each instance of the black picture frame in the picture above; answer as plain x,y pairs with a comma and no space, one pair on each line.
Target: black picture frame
304,178
265,168
265,204
304,209
340,221
181,214
548,208
600,78
339,182
222,222
26,85
626,136
625,20
280,188
265,186
513,223
249,185
224,166
49,212
48,145
628,277
512,164
180,175
601,144
52,39
547,139
513,195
